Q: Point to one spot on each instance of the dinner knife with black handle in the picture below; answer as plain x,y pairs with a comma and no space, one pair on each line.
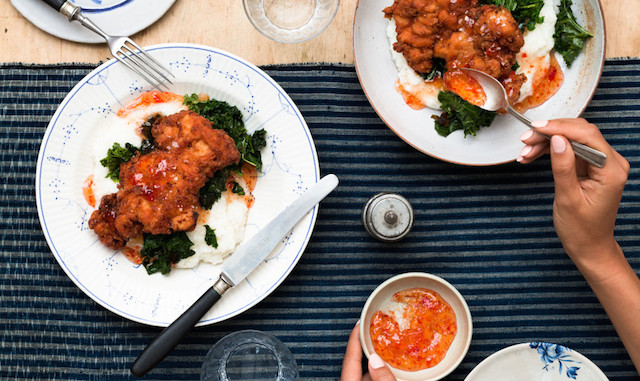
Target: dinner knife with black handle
236,268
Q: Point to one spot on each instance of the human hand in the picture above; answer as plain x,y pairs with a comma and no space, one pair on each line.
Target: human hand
586,197
352,363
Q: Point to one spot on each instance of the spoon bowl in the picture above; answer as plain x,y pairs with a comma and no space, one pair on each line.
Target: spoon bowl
496,99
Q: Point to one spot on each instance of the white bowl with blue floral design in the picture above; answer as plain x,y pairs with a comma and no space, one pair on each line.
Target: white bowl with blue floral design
536,361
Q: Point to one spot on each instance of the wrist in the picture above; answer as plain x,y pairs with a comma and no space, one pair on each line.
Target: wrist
598,263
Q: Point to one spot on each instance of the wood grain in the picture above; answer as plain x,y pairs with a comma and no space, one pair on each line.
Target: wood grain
208,22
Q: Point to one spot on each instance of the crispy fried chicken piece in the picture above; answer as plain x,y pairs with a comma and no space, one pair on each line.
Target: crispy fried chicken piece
158,191
463,33
102,223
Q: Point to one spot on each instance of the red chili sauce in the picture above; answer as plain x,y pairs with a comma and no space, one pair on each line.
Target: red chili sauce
430,329
88,191
133,254
465,86
148,98
545,84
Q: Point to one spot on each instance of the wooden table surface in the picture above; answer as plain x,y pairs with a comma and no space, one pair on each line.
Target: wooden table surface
208,22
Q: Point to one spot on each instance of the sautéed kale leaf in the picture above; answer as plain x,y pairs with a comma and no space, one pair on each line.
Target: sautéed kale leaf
569,36
162,250
459,114
525,12
228,118
210,237
116,155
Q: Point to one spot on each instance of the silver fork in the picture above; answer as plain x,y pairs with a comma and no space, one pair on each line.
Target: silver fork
122,48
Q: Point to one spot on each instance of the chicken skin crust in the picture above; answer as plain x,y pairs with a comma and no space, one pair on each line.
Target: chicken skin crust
158,191
463,33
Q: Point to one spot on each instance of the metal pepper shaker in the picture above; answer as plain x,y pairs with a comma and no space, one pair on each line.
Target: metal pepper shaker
388,217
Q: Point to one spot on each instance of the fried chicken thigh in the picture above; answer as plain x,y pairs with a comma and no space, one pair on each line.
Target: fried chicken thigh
464,33
158,191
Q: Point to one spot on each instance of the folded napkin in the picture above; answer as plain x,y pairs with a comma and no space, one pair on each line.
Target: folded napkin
487,230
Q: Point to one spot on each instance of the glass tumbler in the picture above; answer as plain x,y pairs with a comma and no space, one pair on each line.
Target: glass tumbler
290,20
249,355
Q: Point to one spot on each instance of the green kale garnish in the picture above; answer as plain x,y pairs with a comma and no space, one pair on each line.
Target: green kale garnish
148,143
437,70
213,189
210,237
221,114
237,189
459,114
569,36
117,155
161,250
250,147
525,12
229,118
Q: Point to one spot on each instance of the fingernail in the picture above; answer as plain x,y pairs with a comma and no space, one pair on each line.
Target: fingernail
527,134
539,123
519,159
525,151
375,361
358,322
558,144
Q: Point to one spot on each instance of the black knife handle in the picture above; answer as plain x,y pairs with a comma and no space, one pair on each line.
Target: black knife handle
164,343
56,4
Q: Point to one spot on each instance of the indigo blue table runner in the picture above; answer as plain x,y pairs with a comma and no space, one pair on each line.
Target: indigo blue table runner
487,230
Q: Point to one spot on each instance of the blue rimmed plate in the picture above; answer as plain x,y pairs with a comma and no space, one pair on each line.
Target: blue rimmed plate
115,17
290,166
536,361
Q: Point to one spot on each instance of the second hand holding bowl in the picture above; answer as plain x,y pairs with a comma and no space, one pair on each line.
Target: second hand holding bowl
497,99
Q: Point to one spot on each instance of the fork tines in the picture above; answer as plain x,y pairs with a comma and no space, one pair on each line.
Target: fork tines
141,62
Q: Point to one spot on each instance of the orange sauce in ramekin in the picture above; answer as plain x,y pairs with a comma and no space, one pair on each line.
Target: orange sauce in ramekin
427,331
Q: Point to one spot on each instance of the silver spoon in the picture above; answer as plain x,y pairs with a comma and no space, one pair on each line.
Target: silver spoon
497,99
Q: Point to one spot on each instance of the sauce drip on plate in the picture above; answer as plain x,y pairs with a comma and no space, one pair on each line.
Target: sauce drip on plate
545,84
88,191
423,335
148,98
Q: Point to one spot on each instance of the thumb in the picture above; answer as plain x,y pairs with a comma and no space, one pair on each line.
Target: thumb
378,370
563,165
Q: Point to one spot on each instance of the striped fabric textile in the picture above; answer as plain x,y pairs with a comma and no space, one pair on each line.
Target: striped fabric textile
487,230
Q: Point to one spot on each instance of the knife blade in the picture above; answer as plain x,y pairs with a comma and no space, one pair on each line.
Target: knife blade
242,262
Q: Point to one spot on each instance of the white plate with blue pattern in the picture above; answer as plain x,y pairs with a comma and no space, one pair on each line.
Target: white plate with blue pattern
115,17
536,362
290,166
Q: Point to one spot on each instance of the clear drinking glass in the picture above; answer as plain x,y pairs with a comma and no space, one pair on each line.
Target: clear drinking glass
249,355
290,20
